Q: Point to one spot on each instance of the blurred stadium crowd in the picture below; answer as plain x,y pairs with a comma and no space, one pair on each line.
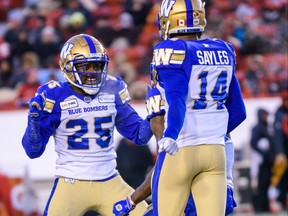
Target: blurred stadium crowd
33,31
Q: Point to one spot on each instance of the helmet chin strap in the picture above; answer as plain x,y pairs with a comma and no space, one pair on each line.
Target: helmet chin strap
166,30
91,91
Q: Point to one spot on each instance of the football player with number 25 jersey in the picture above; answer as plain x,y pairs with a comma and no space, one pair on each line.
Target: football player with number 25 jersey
203,103
81,115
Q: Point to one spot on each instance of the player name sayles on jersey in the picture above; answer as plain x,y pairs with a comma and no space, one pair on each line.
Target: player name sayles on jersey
219,57
205,57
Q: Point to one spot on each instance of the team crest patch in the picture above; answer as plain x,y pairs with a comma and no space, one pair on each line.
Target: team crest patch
68,104
105,98
87,99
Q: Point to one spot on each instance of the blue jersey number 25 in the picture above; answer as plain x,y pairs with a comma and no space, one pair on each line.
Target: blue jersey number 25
77,141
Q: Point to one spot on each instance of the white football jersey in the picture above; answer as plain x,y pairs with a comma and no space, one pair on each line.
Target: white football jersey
83,126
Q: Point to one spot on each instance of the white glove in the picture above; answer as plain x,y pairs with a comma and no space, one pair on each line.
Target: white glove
169,145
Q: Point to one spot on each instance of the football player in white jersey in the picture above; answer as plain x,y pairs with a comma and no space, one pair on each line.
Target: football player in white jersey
201,91
81,115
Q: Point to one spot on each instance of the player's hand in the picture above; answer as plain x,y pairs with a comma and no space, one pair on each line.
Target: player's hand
36,105
123,207
230,202
154,102
168,145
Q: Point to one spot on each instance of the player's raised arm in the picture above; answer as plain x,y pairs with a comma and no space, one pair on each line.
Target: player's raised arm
33,141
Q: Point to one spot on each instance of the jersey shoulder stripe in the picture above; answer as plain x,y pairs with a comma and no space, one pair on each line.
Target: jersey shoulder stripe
52,90
116,86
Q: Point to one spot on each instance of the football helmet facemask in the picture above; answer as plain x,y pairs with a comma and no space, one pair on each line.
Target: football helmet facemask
181,17
84,63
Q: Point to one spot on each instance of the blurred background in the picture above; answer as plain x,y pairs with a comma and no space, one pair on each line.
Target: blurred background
32,33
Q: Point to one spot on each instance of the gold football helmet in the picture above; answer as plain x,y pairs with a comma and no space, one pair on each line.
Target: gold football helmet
84,62
181,17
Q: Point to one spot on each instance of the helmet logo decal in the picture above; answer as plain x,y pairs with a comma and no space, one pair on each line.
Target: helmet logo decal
166,7
66,50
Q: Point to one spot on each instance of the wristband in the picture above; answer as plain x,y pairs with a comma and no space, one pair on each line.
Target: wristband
133,204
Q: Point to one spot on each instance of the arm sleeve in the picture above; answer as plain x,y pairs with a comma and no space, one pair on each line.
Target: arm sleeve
176,87
235,105
39,130
132,126
35,138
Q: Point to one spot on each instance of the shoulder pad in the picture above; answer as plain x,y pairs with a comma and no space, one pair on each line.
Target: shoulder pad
49,86
228,45
115,85
109,77
52,91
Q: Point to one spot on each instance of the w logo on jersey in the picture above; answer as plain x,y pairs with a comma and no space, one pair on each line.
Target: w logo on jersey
162,56
168,56
154,102
166,7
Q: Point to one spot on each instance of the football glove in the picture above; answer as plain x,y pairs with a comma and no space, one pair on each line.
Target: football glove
123,207
36,105
154,102
168,145
230,202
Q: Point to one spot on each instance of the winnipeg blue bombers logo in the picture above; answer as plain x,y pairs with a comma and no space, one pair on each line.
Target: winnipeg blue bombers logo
166,7
66,50
168,56
162,56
